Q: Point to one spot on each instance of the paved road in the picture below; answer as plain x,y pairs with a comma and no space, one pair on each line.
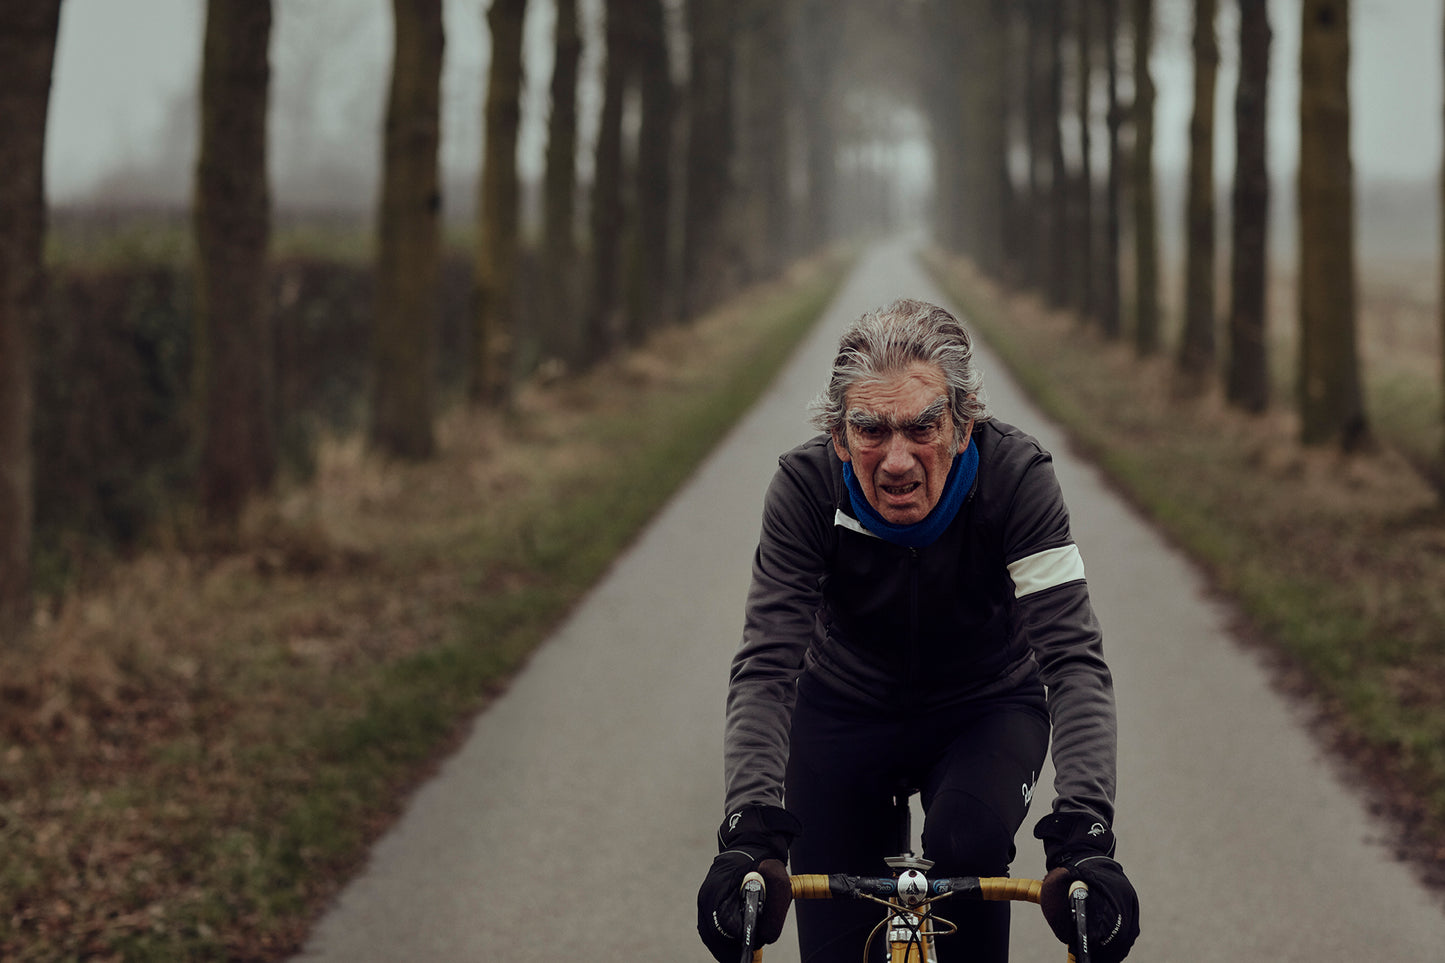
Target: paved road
576,821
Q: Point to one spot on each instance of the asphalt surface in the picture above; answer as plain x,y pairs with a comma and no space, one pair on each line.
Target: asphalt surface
578,818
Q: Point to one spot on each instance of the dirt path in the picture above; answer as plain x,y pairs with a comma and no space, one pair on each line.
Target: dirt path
576,821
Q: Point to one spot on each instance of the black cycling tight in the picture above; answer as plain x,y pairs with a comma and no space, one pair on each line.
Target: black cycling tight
975,766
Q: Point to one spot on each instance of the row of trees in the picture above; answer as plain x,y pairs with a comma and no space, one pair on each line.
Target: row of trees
703,179
726,140
1060,228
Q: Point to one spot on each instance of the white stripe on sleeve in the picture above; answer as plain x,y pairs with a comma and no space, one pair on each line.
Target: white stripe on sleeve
1045,569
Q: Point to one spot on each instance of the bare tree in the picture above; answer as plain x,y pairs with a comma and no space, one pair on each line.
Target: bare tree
708,266
994,207
765,97
27,53
499,208
607,209
1058,219
1035,58
1247,384
653,297
234,351
559,243
408,268
1197,350
1146,210
1085,262
1109,296
1331,397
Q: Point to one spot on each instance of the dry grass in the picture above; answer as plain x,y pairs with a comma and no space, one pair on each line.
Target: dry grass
196,748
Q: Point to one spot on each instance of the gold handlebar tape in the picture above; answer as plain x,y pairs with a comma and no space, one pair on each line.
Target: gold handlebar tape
995,888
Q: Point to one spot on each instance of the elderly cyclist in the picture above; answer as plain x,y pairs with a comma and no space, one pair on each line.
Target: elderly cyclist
918,616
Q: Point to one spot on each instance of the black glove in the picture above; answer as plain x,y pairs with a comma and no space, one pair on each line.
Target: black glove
1079,847
753,838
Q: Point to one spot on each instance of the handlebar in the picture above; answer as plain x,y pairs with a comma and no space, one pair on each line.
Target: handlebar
912,890
906,887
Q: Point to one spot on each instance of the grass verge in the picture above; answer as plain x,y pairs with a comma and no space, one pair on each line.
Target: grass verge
198,752
1336,563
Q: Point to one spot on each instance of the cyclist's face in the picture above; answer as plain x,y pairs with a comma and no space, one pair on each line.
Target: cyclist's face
899,435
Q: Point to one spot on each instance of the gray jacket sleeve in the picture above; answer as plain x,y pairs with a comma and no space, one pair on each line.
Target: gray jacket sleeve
782,606
1063,633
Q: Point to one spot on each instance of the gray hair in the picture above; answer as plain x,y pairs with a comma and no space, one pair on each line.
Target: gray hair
889,339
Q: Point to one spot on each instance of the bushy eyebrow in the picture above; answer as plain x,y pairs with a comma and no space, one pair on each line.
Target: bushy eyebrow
870,421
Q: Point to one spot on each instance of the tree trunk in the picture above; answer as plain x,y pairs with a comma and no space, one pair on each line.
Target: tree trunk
1331,397
969,108
1058,230
1036,245
1109,295
1248,380
653,301
495,334
562,336
1084,248
951,104
234,349
408,268
603,325
27,54
1197,349
1146,211
708,266
997,206
765,98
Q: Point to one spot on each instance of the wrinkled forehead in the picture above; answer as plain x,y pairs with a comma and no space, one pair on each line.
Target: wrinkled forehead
905,392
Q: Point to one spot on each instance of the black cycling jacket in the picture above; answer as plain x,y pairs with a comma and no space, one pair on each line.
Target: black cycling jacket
998,602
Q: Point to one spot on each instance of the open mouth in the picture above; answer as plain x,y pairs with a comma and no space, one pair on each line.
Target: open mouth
900,491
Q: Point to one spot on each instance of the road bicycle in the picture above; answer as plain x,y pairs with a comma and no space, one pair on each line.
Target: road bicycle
910,898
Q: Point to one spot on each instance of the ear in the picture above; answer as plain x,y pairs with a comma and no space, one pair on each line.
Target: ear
965,435
840,446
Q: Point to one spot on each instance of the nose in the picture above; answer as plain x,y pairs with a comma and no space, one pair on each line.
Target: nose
898,456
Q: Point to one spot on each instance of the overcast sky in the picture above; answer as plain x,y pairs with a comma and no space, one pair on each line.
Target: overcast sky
125,74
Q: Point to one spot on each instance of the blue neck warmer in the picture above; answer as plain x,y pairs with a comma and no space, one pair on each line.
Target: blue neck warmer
925,532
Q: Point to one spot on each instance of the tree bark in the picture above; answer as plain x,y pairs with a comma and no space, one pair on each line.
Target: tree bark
708,267
562,336
653,302
1197,349
408,268
1035,210
27,53
604,312
1058,230
1248,374
765,96
494,332
234,342
1109,294
1332,408
1084,254
1146,208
